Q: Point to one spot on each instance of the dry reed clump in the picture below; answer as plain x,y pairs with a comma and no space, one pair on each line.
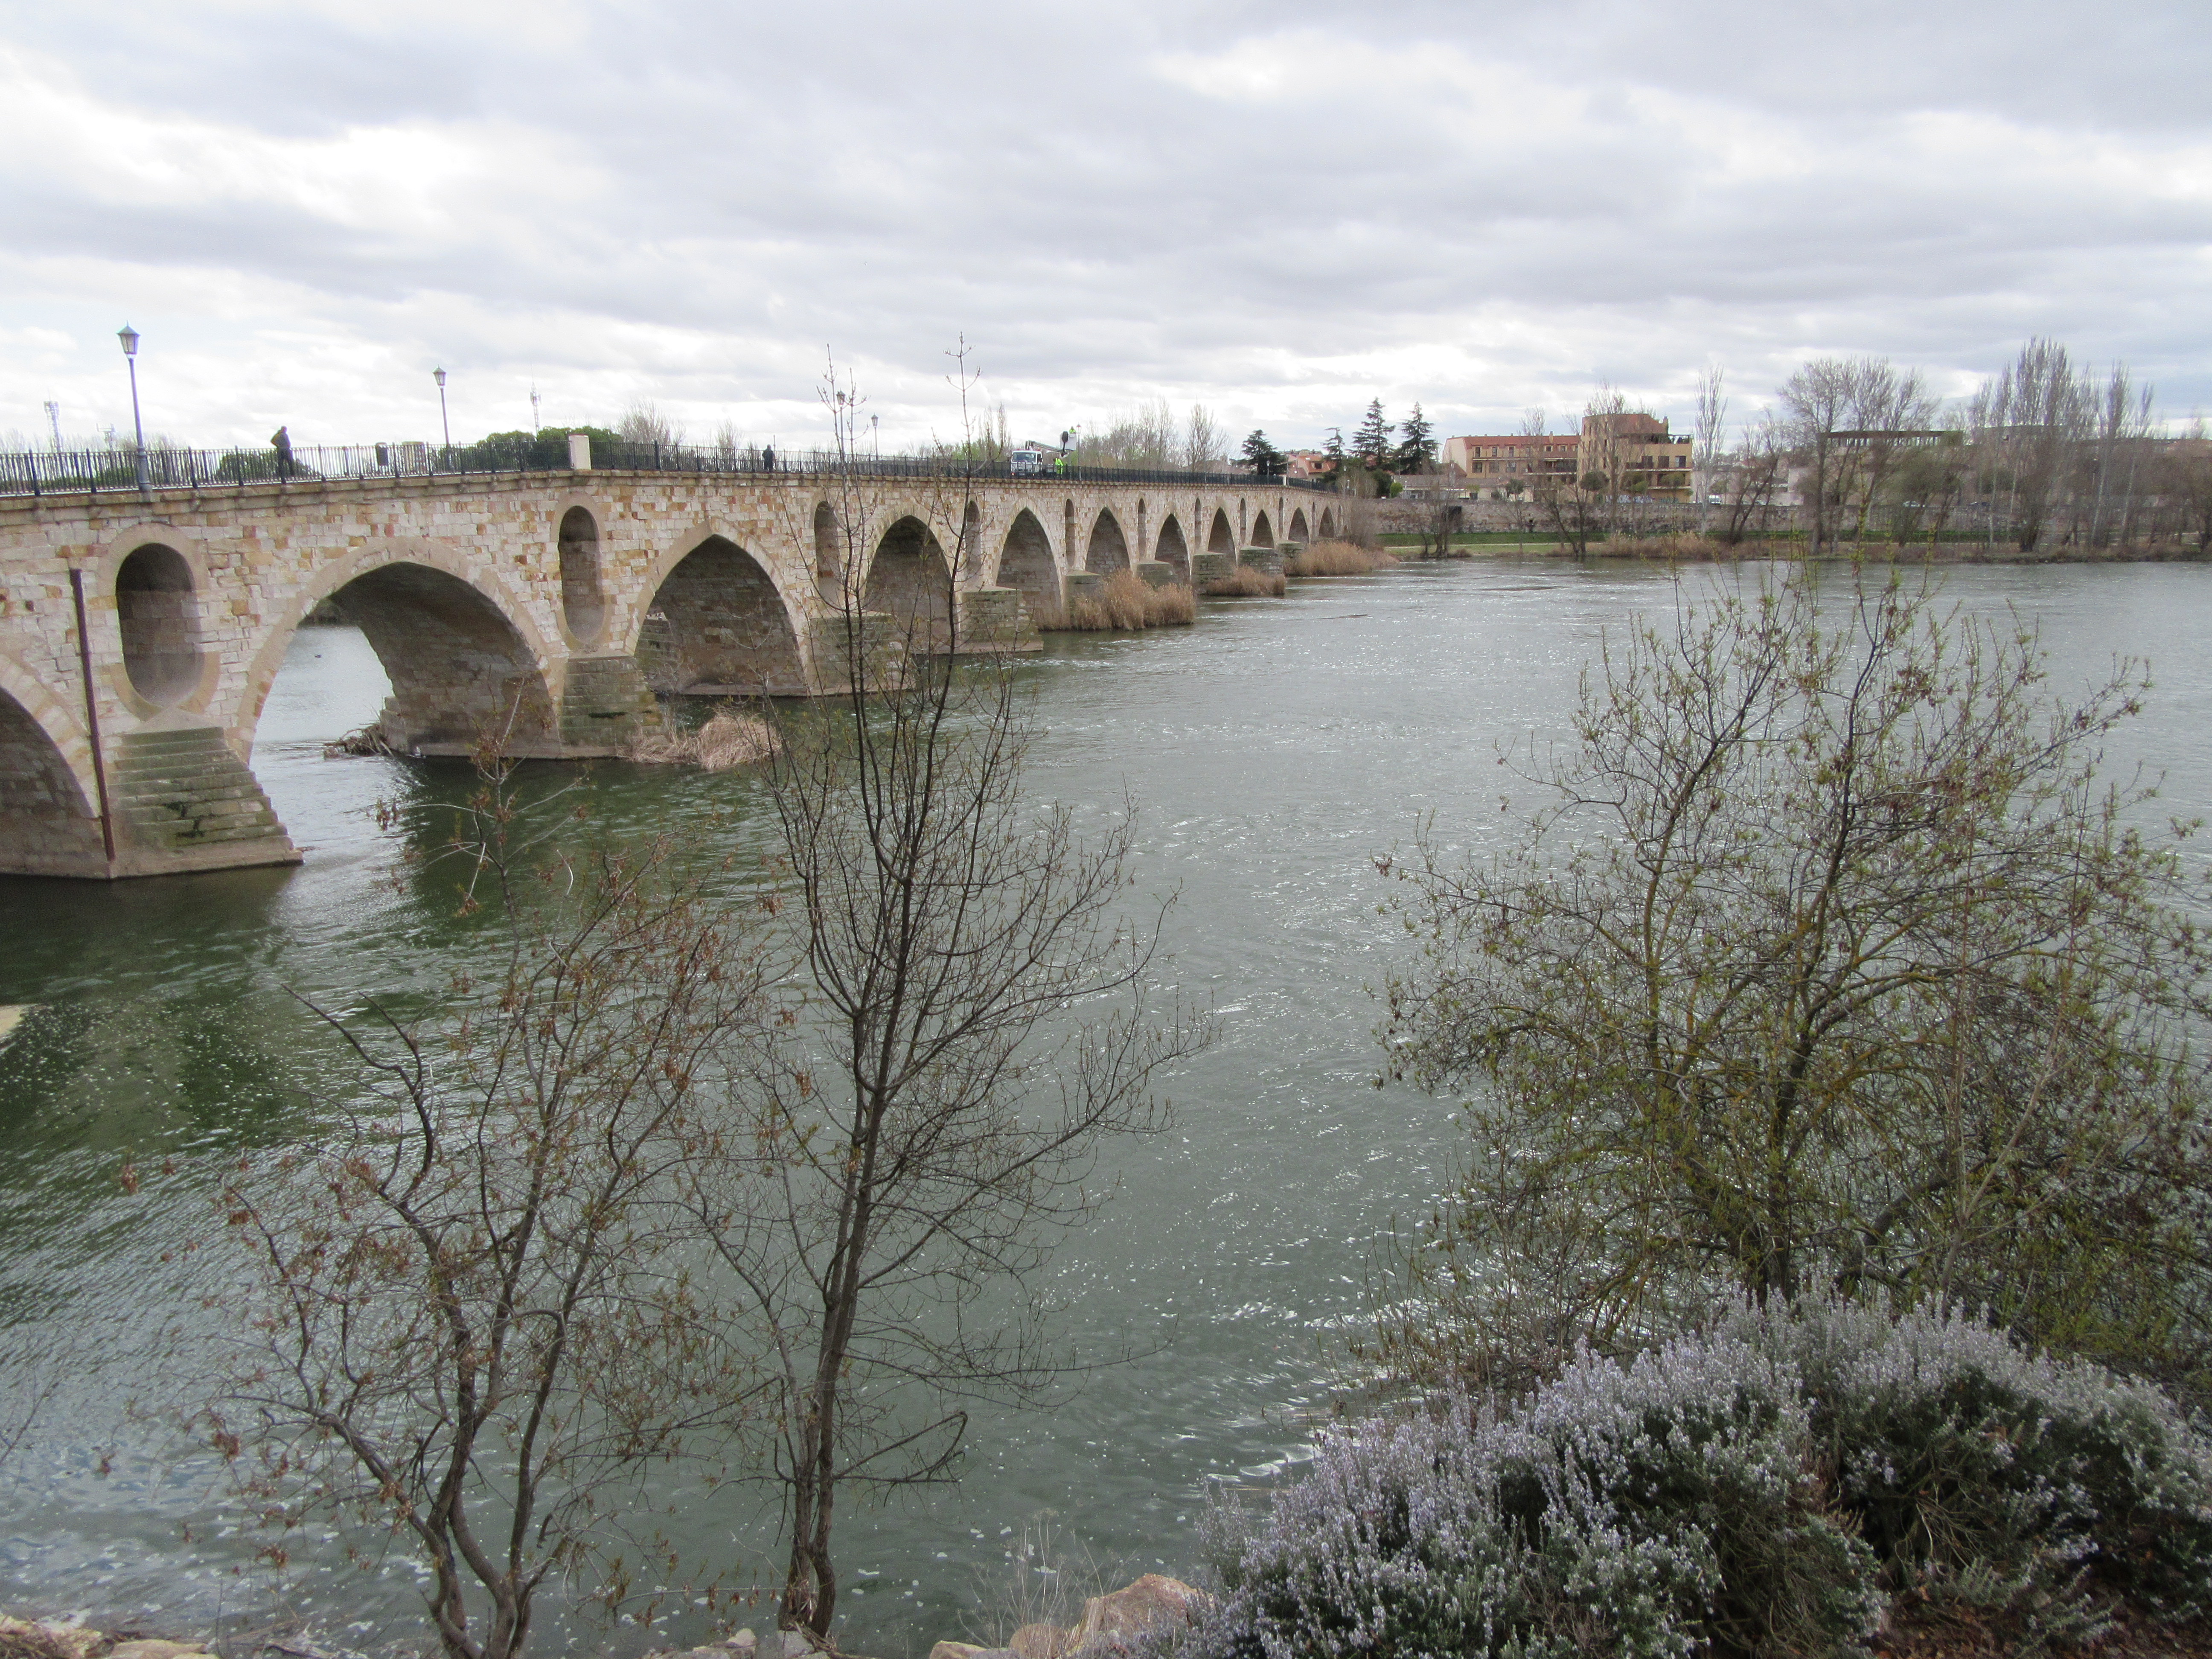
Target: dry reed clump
1337,559
1683,545
728,740
1245,582
1127,602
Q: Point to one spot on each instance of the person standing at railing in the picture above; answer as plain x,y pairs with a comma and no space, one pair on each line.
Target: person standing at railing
281,441
767,457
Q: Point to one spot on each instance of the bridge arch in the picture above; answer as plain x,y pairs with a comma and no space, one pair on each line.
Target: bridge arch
1328,524
48,824
1107,549
1263,533
458,645
717,623
1298,531
1026,563
1221,537
910,577
1171,549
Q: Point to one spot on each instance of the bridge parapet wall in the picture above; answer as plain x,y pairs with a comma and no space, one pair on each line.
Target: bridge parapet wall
549,606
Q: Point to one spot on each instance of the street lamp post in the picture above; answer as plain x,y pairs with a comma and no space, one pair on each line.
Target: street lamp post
129,336
439,375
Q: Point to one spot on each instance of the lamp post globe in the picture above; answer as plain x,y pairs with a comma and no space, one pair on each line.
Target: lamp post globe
129,336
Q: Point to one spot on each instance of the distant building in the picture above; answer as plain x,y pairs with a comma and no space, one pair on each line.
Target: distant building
1493,461
1638,453
1306,463
1648,460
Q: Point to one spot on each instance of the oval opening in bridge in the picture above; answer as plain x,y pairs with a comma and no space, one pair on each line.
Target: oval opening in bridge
583,602
161,624
829,558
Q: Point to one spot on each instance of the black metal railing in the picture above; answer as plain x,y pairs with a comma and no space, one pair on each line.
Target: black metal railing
50,471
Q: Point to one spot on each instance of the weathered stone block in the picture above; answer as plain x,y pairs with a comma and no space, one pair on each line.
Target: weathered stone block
606,704
1210,567
874,638
1155,573
995,619
1268,559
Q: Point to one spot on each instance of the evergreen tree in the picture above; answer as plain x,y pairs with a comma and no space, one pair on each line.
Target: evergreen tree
1263,458
1371,443
1333,450
1417,450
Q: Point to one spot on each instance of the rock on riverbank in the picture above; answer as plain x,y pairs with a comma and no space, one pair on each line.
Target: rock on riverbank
24,1639
1111,1625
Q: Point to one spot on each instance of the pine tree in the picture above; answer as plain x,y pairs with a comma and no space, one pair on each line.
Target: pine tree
1417,451
1263,458
1371,443
1333,450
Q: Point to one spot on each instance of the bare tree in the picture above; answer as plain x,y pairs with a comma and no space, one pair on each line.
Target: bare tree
2185,477
1816,403
1565,497
1204,446
642,422
2027,425
1601,456
1923,486
2121,445
1756,478
977,1016
1889,408
475,1324
1711,438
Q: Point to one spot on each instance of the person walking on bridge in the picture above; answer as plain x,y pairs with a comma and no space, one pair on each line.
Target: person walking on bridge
281,441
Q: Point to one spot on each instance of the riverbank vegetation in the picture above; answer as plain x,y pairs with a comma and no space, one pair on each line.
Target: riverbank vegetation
1827,990
1825,961
1125,603
1247,582
1337,559
1791,1481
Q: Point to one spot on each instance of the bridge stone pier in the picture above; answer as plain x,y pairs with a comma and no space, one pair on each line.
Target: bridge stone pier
559,609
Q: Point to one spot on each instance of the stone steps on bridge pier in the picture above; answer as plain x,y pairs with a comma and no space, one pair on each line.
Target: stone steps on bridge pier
183,788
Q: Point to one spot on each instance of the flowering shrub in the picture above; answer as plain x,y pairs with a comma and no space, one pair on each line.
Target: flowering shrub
1957,1451
1760,1489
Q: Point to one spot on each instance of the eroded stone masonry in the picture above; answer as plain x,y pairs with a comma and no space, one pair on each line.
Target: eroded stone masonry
556,610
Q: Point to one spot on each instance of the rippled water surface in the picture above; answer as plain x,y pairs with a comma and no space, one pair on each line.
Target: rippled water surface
1273,751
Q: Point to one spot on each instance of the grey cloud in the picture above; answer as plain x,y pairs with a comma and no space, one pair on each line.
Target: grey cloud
763,181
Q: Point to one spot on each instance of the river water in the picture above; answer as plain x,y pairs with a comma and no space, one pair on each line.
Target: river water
1273,751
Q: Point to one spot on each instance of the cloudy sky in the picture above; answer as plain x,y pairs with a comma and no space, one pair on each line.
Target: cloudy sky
1280,210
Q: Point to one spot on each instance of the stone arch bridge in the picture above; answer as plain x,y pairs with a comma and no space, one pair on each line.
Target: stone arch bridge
556,606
